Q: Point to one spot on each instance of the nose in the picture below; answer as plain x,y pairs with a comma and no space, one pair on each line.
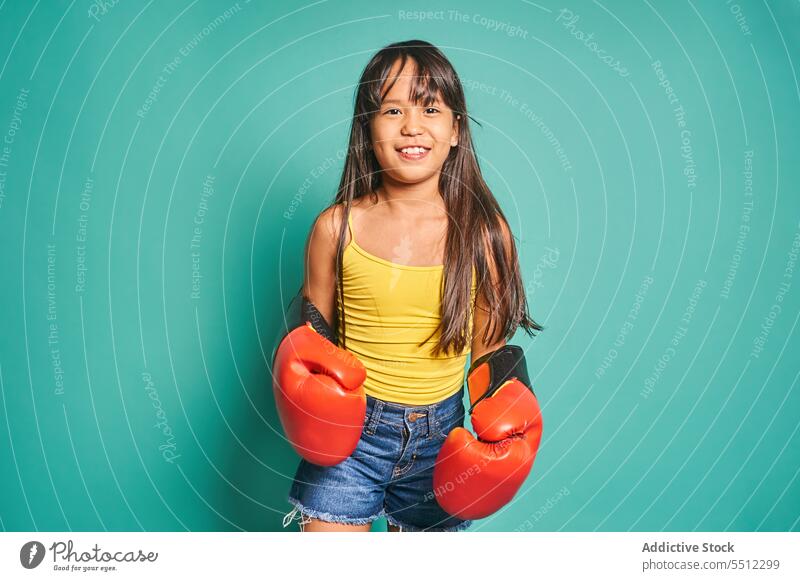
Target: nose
412,125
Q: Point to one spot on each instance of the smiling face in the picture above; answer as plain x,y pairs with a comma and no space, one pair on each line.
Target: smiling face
411,141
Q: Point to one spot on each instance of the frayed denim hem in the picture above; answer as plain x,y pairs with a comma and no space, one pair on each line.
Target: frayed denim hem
411,529
305,513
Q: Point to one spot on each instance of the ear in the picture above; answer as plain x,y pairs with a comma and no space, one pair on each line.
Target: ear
454,138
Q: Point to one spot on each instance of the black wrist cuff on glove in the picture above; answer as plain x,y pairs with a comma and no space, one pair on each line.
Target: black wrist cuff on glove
505,363
312,314
302,311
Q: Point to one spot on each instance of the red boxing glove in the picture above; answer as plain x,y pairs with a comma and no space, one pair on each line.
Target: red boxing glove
318,391
474,478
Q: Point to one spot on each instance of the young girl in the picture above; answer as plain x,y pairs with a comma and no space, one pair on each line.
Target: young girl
415,267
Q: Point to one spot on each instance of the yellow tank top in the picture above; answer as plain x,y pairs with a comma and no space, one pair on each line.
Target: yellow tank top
389,310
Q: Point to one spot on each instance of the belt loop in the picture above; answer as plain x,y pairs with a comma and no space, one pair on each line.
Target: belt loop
375,416
432,410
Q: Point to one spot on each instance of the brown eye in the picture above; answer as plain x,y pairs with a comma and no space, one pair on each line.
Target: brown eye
434,109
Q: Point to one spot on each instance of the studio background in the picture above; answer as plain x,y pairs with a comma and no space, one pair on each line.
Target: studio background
162,163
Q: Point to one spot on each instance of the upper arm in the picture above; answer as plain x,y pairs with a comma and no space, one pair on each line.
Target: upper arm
320,260
480,321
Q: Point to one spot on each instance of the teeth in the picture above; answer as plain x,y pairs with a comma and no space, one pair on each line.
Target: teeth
413,150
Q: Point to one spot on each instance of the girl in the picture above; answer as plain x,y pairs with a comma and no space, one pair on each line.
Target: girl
415,265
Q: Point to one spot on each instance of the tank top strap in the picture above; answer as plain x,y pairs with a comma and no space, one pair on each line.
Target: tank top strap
350,225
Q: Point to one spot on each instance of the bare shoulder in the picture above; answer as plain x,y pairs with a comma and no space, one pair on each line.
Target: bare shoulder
481,341
328,225
507,245
319,278
505,232
333,217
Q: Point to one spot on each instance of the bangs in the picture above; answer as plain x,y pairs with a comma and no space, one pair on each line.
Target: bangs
426,87
432,78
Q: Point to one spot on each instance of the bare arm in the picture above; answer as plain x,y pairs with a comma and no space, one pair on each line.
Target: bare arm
480,321
320,260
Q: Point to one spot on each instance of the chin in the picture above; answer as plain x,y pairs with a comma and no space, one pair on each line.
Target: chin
404,173
411,177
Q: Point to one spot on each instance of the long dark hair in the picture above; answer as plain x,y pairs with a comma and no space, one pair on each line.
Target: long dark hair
473,213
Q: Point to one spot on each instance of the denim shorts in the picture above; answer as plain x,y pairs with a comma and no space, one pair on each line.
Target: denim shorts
389,474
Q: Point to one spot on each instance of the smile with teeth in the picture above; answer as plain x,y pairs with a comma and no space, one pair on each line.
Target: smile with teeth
413,152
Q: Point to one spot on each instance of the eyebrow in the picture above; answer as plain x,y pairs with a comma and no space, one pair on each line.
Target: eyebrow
401,102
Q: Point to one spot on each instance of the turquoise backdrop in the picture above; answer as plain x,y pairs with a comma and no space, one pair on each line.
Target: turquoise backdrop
161,164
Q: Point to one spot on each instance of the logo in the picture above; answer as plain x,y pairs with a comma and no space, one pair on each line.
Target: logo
31,554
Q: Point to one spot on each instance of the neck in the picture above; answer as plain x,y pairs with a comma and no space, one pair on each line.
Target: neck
405,199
